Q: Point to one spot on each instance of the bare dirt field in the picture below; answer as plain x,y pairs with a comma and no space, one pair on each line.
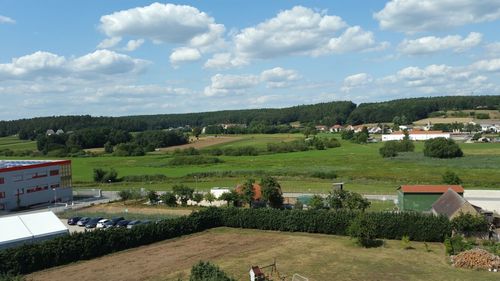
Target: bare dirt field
170,258
202,142
316,256
115,208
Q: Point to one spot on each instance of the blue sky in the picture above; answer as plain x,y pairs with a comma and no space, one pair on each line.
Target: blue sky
139,57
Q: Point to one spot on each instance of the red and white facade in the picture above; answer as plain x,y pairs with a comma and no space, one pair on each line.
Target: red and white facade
25,183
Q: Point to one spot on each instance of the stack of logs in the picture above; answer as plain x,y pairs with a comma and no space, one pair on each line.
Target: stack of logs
476,259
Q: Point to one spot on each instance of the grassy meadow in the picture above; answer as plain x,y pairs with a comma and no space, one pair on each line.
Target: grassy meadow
14,143
358,165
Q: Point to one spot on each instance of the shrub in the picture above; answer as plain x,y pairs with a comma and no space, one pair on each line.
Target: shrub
324,174
450,177
101,175
187,151
205,271
184,193
469,224
363,229
389,149
169,199
405,242
129,194
316,203
198,197
145,178
442,148
152,196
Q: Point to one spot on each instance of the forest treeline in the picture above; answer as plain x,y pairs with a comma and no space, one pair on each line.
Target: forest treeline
339,112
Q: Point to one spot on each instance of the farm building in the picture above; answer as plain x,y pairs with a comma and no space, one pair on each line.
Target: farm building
451,204
416,135
218,191
421,197
29,228
25,183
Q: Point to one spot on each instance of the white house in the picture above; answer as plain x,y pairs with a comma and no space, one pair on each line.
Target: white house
416,135
335,128
218,191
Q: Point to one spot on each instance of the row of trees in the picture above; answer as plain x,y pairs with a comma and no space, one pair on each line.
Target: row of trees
338,200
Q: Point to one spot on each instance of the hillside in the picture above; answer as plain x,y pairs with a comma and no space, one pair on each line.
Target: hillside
339,112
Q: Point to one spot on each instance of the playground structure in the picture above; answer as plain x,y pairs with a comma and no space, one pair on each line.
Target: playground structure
258,274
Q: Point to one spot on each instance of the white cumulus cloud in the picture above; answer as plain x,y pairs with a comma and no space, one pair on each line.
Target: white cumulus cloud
411,16
432,44
165,23
133,45
4,19
355,81
109,43
300,31
184,55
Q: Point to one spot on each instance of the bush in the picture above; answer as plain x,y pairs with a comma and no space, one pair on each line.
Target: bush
389,149
145,178
101,175
129,194
186,152
468,224
169,199
363,229
442,148
205,271
324,174
194,160
457,244
450,177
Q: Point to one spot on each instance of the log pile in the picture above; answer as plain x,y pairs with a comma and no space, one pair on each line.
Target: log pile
476,259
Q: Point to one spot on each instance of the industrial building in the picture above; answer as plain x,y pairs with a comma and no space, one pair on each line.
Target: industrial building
416,135
421,197
26,183
30,228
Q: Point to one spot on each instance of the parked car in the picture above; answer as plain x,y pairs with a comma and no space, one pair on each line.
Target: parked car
122,223
93,223
112,222
83,221
133,223
102,223
73,220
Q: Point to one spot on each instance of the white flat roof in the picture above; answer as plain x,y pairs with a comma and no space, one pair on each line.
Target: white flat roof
13,230
43,224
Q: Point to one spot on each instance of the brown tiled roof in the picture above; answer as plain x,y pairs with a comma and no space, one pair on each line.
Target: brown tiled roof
448,203
430,188
257,271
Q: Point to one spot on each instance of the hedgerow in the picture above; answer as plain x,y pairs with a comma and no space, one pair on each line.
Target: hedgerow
82,246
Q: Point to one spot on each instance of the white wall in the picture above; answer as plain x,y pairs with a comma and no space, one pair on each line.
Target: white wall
416,137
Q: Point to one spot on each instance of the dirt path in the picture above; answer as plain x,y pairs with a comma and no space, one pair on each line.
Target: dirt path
108,208
202,143
160,259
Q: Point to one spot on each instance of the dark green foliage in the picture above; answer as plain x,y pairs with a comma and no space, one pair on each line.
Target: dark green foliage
247,191
271,192
449,127
450,177
205,271
457,244
169,199
292,146
183,192
128,149
108,147
101,175
417,108
324,174
361,137
11,277
468,224
230,197
193,160
316,203
153,197
145,178
482,116
298,205
237,151
198,197
129,194
347,135
390,149
363,230
158,138
187,151
442,148
343,199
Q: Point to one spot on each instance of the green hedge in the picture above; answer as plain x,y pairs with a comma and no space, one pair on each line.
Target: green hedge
82,246
205,271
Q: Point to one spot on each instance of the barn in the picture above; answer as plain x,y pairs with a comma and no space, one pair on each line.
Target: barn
421,197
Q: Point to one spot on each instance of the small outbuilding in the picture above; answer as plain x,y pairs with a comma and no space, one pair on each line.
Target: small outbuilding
421,197
451,204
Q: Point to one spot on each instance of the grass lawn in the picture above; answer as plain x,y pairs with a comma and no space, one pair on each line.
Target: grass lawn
359,166
318,257
14,143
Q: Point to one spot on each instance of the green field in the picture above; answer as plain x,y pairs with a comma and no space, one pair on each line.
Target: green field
14,143
359,166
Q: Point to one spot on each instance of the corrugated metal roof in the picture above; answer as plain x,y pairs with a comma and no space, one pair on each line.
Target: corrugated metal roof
430,188
13,230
